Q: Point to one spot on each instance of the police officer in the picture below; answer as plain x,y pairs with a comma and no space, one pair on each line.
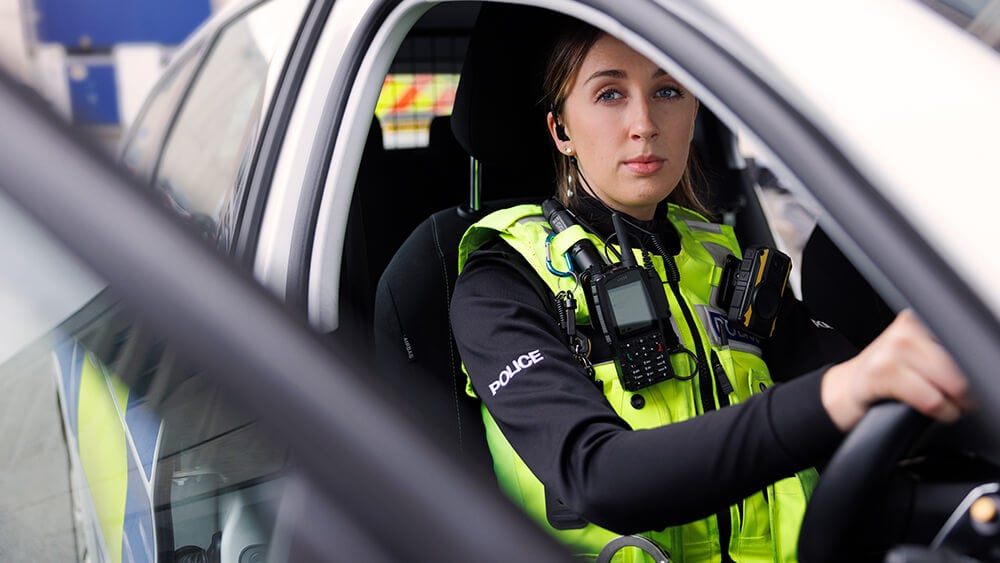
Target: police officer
715,462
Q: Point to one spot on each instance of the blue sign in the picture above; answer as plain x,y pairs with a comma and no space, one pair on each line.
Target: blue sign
93,92
100,24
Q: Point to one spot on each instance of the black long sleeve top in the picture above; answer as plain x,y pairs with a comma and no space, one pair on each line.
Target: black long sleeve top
628,480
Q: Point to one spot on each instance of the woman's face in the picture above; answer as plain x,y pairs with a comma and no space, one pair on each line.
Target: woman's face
630,125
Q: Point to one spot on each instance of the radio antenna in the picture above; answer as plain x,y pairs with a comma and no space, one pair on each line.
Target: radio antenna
628,259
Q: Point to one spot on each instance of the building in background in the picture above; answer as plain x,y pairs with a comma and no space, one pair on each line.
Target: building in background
95,61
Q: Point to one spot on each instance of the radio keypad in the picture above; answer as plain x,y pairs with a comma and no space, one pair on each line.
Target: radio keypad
644,362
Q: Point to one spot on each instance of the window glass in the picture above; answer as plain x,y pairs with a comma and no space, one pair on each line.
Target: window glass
116,447
141,148
214,129
420,86
790,217
407,104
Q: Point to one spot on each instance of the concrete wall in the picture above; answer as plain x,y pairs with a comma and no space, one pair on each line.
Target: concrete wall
14,55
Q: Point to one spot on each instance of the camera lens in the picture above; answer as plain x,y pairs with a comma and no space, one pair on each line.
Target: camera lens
766,301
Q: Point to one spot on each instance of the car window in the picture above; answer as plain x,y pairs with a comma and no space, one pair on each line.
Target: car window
118,448
420,86
141,148
213,130
407,104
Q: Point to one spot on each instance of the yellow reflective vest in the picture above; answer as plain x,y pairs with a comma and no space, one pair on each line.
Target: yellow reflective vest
765,525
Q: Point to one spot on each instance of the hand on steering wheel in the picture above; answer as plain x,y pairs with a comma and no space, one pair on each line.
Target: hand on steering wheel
905,363
906,366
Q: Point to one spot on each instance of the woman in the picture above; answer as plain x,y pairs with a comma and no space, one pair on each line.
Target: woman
713,463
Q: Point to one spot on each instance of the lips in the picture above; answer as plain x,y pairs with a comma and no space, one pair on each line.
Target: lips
644,165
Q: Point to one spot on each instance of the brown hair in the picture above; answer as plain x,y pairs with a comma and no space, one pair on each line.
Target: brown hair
565,60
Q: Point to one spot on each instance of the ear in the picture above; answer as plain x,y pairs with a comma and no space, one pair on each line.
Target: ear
550,120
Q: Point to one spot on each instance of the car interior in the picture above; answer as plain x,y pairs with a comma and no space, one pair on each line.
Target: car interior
494,151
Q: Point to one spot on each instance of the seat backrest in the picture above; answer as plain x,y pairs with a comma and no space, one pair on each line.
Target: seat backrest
361,261
414,346
504,129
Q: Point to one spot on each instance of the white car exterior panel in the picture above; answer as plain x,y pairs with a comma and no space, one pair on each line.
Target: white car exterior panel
910,99
303,142
324,273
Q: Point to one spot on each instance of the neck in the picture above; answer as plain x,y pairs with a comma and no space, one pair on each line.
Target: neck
597,217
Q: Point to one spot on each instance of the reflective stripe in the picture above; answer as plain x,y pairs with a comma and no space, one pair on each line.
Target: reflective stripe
117,460
718,252
720,333
103,451
534,219
704,227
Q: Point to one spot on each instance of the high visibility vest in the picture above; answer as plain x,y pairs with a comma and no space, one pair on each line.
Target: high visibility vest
765,525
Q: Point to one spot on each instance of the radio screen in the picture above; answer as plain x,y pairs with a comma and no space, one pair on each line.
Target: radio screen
631,307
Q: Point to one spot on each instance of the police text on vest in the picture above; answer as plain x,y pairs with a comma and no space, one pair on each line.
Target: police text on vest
524,361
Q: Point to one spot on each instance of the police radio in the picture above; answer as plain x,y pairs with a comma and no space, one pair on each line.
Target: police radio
631,306
752,289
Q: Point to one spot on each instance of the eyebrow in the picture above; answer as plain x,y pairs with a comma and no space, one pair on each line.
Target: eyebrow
617,73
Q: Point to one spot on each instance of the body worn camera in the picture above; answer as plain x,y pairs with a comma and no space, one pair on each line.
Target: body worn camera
751,290
631,307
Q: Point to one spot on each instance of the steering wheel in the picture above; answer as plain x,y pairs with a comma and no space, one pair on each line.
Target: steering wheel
860,467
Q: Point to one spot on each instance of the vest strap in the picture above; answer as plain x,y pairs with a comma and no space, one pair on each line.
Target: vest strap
562,242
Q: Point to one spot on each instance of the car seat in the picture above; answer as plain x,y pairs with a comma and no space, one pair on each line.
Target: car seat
503,129
449,157
364,256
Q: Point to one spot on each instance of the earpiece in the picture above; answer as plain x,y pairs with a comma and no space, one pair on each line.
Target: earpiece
560,130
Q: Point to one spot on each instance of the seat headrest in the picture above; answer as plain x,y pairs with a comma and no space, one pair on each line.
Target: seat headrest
440,134
374,141
499,112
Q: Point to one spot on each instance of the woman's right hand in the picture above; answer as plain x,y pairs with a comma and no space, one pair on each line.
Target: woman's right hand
905,363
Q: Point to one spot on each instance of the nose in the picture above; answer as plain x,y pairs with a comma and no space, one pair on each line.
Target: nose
641,125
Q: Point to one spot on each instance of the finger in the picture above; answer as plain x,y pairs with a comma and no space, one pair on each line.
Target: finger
941,371
928,359
916,390
917,349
